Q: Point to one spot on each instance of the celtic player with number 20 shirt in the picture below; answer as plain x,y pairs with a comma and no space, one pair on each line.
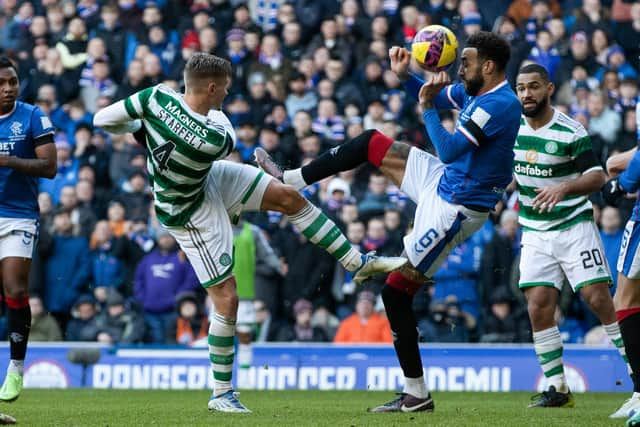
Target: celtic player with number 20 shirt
197,194
556,170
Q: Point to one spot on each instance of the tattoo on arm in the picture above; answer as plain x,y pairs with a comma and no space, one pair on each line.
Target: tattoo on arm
400,149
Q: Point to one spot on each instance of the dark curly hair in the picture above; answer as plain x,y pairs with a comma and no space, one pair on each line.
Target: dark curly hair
491,46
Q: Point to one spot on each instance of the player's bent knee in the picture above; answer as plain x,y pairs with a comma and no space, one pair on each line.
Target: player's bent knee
16,290
288,200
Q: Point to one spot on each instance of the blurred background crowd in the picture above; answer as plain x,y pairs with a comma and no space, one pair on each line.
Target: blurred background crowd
308,75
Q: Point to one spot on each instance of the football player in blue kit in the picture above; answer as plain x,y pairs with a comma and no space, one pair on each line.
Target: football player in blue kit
454,192
27,152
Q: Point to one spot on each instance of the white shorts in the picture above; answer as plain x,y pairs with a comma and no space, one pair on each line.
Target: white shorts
17,237
575,252
439,226
207,239
629,258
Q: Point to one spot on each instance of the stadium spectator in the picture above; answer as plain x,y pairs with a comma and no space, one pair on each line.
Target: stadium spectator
83,326
66,268
67,170
611,234
107,270
504,321
43,326
446,322
82,217
160,277
190,323
301,330
118,325
365,325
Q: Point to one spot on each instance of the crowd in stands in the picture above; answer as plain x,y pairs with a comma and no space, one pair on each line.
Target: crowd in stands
307,75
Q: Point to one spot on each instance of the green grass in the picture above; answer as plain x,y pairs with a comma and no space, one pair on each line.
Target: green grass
298,408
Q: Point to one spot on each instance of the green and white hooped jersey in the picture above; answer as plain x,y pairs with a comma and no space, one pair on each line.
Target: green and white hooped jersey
181,146
545,157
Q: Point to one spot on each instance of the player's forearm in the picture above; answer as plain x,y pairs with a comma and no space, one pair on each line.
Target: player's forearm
448,146
115,119
412,86
45,168
630,178
618,163
586,184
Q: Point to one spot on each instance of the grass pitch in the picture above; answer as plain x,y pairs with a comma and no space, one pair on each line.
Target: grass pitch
298,408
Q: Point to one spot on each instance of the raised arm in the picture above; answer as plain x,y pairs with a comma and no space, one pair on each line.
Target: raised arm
116,119
618,163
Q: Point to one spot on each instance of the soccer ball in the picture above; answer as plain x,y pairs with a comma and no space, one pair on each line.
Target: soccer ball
434,48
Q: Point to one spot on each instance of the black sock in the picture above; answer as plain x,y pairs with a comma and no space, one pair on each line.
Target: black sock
630,331
405,330
341,158
19,324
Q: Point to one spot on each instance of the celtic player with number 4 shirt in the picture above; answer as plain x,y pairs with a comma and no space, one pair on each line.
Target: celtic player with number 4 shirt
556,170
197,194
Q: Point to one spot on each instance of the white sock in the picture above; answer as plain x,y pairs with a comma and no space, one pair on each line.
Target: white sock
548,346
294,177
222,331
613,330
416,387
16,367
635,395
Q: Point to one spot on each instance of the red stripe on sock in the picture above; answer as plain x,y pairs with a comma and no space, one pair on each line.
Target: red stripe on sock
17,303
378,147
623,314
399,281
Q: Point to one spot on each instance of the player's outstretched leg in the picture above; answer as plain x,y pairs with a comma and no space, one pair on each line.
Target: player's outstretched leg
15,272
599,300
627,304
547,342
370,146
323,232
397,296
222,331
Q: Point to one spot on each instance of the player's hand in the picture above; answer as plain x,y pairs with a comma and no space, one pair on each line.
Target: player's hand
612,193
400,59
432,87
549,197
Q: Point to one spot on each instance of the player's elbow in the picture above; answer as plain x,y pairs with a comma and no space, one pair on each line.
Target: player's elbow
599,180
50,170
100,119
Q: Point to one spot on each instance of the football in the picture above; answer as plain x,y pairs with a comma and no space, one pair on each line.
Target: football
434,48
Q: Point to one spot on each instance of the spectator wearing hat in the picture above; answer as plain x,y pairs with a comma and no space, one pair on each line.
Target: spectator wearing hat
471,24
66,267
239,57
299,98
365,325
338,193
190,323
617,62
259,98
504,321
578,56
160,277
301,330
67,173
43,326
82,326
117,324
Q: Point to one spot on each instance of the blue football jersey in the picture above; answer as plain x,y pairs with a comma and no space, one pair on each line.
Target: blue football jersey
490,122
18,130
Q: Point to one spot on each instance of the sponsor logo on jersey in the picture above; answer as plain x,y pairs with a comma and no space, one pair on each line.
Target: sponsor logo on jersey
531,156
533,171
184,118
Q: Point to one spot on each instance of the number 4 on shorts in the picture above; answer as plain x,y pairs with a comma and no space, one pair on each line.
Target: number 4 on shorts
162,152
